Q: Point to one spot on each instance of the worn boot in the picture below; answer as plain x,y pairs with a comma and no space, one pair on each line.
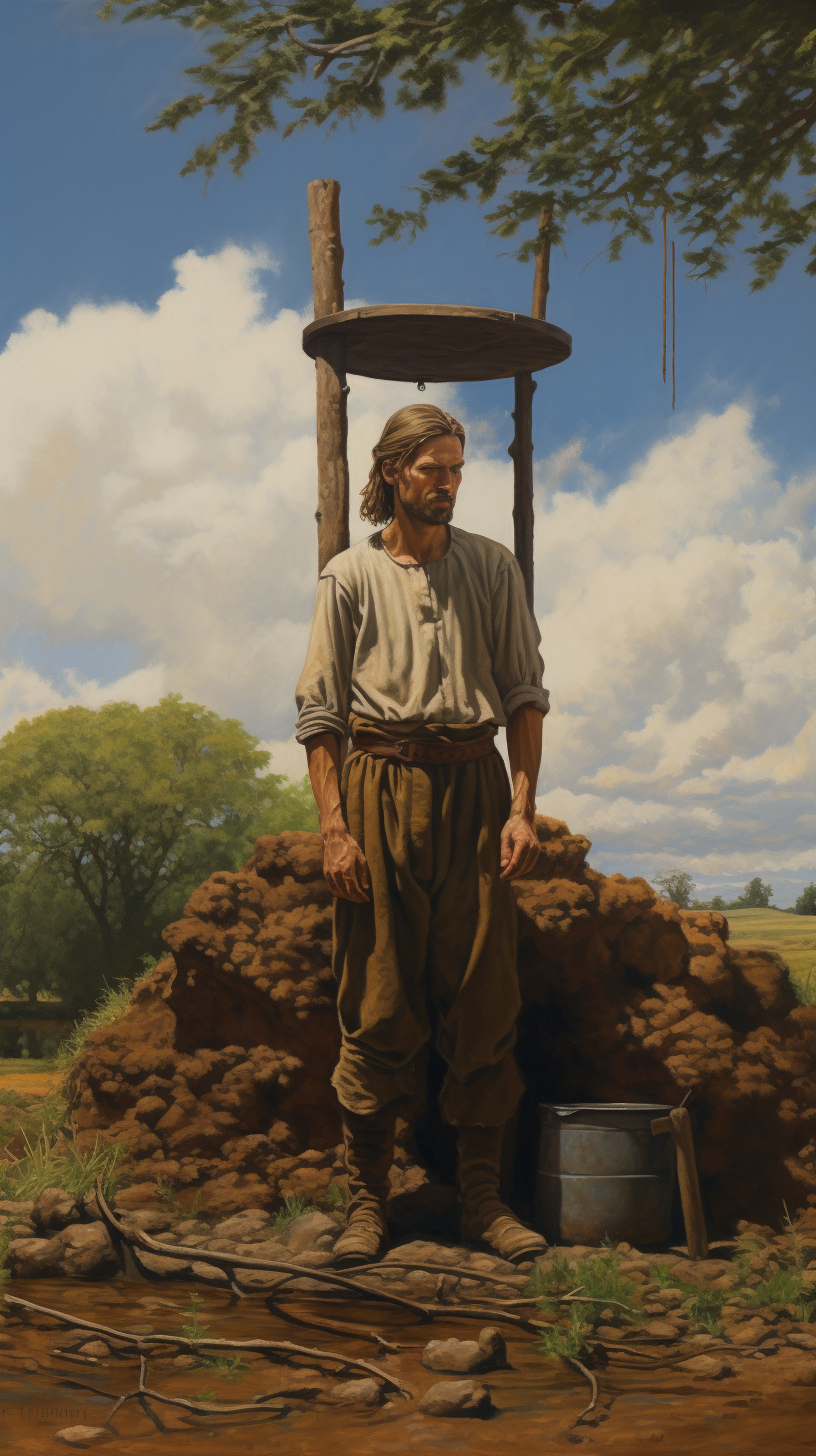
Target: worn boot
369,1140
485,1219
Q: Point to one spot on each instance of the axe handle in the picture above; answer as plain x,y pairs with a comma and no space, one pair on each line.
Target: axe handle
679,1125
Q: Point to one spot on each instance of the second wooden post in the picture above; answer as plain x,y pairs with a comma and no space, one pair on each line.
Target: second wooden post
332,512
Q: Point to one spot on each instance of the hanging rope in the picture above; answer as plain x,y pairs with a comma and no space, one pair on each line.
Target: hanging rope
664,295
673,330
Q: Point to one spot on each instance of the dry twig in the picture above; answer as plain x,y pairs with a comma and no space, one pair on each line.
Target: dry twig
281,1349
593,1385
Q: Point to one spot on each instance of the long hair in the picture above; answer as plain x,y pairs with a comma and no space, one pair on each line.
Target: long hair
403,434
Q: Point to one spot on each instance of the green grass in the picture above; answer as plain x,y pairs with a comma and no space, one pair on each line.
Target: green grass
113,1001
791,936
293,1207
565,1341
335,1196
56,1162
194,1329
597,1278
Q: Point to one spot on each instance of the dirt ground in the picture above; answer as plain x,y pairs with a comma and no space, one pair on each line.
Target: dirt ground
757,1410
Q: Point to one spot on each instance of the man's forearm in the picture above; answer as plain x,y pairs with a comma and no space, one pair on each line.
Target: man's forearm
323,760
524,732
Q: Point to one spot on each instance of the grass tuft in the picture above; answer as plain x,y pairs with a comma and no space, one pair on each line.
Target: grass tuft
565,1341
335,1196
294,1206
598,1278
113,1001
56,1162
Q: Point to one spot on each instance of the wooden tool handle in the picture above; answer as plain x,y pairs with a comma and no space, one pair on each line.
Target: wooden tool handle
679,1125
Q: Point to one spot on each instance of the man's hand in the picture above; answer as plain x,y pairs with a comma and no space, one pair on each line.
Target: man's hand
519,848
344,866
519,843
343,861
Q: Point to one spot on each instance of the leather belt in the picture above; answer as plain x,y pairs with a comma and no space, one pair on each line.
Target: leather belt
422,751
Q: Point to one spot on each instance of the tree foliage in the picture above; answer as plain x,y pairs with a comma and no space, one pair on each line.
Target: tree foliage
677,886
806,902
755,896
617,111
108,820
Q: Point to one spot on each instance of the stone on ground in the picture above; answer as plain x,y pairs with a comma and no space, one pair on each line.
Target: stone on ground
83,1435
358,1392
457,1398
467,1357
710,1367
55,1209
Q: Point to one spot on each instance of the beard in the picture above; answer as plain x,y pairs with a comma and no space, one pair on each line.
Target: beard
434,512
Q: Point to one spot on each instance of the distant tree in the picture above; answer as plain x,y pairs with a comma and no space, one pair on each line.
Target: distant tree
677,886
806,903
717,903
754,897
108,820
618,110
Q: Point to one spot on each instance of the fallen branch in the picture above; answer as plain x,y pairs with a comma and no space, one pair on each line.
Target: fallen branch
198,1407
272,1348
187,1254
593,1385
295,1271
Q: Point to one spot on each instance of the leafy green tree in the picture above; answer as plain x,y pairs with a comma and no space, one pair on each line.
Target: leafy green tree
108,820
616,111
677,886
806,903
755,896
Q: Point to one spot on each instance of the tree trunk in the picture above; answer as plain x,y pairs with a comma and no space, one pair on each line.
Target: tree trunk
521,452
332,512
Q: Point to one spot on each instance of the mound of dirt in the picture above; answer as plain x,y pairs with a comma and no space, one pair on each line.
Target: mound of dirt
217,1074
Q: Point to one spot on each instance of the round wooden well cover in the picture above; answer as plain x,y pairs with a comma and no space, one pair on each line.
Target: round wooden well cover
438,342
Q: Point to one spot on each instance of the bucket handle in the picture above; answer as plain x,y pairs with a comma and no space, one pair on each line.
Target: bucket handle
678,1124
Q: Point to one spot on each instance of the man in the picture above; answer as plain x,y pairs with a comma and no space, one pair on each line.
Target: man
422,645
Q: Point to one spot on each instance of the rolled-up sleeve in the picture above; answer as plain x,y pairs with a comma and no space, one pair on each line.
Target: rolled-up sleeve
322,692
517,664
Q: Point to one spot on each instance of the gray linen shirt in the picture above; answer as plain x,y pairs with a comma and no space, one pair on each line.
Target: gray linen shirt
449,642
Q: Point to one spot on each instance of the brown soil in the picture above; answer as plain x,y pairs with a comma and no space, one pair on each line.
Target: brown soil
217,1075
761,1408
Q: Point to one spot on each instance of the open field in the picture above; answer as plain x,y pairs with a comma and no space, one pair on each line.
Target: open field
792,936
28,1074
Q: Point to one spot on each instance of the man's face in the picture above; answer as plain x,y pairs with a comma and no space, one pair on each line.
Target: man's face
428,483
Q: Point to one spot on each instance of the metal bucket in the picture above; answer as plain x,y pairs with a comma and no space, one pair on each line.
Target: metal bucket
602,1174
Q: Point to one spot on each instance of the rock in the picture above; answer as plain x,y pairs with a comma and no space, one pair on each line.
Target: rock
165,1267
148,1220
801,1341
358,1392
209,1273
304,1231
658,1329
97,1349
86,1250
7,1342
137,1196
30,1258
709,1367
703,1271
83,1435
54,1209
241,1226
467,1357
16,1207
748,1333
457,1398
184,1362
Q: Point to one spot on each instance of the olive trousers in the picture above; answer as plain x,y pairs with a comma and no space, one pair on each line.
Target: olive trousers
433,953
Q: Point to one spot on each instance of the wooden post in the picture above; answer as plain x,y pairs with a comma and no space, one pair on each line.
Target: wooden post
521,450
332,514
678,1124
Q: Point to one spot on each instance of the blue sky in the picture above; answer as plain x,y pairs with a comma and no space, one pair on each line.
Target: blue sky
95,215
